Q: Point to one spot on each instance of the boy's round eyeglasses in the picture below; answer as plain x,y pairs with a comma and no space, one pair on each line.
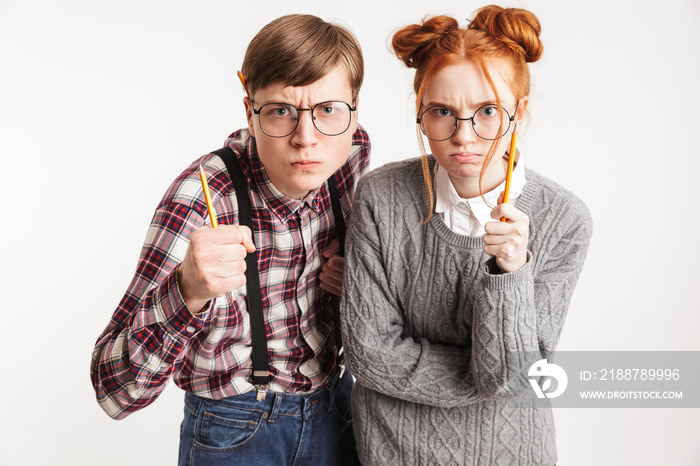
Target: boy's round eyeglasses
331,118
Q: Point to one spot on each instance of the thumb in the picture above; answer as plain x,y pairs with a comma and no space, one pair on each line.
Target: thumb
247,240
333,249
501,198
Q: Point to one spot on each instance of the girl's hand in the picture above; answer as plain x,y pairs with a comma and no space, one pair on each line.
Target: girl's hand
507,241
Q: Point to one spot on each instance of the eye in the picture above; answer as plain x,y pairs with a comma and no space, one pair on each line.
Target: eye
440,112
329,109
279,111
488,111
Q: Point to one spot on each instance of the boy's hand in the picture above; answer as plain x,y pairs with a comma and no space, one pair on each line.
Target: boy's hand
331,276
214,264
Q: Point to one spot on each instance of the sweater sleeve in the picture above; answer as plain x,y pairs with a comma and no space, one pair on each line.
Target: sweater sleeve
379,353
514,317
559,268
518,317
504,330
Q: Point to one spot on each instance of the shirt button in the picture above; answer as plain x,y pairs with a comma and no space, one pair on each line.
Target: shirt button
303,324
190,329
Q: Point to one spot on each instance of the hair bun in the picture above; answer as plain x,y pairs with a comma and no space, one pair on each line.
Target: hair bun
413,44
518,29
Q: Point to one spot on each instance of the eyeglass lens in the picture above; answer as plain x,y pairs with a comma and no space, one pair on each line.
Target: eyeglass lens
330,118
439,123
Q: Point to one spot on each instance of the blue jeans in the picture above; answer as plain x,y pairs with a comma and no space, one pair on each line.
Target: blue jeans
283,429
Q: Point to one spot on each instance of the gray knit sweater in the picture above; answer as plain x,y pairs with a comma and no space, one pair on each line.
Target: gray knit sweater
429,326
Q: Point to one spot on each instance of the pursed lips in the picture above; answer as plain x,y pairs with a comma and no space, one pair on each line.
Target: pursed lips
305,164
464,157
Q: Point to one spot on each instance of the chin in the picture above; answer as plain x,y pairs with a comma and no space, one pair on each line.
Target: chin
466,172
309,183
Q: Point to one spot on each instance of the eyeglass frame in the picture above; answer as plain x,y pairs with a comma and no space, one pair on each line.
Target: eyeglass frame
457,120
299,110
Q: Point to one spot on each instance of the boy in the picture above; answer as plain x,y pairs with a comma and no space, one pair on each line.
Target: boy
185,313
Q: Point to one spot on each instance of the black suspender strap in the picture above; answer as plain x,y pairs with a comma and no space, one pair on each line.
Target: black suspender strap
340,232
337,213
261,368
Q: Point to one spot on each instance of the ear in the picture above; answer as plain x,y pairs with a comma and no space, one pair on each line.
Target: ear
248,105
521,113
355,116
356,104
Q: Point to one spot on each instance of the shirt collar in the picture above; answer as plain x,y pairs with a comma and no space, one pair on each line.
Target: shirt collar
281,205
447,199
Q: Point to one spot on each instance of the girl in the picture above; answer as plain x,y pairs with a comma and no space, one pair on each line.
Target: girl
445,304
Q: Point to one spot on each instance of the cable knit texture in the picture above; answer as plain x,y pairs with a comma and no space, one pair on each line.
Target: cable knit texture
437,339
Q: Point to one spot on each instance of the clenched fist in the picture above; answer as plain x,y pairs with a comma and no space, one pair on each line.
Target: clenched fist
507,241
214,264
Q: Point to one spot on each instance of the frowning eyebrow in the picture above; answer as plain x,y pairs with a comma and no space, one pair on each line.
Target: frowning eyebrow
282,102
477,105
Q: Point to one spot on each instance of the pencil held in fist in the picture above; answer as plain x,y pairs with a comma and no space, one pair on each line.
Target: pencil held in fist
207,198
509,173
214,264
507,241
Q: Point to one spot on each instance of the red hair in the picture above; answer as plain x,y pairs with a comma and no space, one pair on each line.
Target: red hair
508,36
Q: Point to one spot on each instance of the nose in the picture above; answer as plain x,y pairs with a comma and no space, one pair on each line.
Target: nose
464,133
305,133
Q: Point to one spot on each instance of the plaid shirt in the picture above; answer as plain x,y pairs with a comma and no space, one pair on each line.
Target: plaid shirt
153,336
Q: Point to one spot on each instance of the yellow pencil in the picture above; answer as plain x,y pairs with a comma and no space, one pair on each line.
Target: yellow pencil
511,164
245,88
207,198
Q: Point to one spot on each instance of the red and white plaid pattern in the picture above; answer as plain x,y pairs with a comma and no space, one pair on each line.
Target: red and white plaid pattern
152,335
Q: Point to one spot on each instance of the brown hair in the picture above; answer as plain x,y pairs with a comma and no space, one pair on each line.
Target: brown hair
301,49
495,35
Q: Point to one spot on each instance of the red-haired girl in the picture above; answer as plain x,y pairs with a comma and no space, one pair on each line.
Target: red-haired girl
444,303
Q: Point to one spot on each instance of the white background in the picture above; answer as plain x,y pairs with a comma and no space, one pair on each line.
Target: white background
103,103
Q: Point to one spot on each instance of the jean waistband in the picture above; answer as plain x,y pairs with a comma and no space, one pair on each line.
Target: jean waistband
275,404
